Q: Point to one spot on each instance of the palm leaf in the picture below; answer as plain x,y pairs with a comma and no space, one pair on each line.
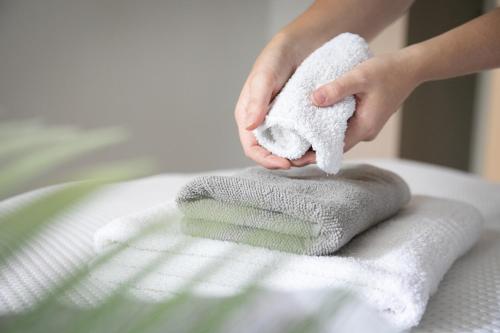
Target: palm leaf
21,171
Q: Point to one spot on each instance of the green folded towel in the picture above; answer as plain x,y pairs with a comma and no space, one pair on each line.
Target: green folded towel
302,210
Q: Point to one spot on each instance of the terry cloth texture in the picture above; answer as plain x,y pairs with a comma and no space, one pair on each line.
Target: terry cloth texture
304,211
294,125
394,267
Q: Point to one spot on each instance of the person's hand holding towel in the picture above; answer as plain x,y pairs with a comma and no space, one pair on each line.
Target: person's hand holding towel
380,85
286,51
271,71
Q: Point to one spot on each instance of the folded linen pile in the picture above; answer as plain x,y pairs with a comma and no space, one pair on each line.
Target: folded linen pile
303,211
394,266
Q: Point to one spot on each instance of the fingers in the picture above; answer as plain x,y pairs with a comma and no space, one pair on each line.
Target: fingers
308,158
250,112
353,135
333,92
364,124
261,87
265,158
259,92
361,127
260,155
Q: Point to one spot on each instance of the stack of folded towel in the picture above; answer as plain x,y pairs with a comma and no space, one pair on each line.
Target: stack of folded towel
352,230
391,255
303,211
393,266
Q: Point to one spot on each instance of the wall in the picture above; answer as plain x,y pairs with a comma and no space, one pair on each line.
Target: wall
492,170
169,71
438,117
486,161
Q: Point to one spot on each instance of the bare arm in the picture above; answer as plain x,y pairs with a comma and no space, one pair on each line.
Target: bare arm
328,18
382,83
469,48
322,21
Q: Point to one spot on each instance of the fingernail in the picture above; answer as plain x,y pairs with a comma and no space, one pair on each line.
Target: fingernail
249,120
318,97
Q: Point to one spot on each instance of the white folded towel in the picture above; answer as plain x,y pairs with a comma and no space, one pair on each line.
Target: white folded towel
394,267
294,124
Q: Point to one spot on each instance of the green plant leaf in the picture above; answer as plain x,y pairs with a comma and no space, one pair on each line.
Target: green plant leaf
28,167
19,142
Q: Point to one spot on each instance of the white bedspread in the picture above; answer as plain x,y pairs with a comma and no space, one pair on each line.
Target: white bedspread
468,299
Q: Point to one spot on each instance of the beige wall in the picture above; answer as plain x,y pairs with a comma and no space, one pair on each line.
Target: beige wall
168,71
491,164
486,145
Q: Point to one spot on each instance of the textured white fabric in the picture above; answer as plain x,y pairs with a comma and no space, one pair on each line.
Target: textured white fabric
447,183
393,267
294,124
68,244
468,299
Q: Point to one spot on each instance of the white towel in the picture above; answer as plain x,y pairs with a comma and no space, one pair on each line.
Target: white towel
394,267
294,124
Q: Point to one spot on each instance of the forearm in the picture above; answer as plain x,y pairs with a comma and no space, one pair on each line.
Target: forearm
469,48
327,18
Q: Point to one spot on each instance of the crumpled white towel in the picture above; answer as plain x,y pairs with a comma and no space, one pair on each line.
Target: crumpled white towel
294,124
394,267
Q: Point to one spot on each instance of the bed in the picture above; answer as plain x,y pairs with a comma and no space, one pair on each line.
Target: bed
468,299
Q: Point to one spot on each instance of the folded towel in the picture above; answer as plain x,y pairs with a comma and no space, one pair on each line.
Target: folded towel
394,267
304,211
294,124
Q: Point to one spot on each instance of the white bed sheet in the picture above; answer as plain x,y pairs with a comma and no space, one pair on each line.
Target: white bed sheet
468,299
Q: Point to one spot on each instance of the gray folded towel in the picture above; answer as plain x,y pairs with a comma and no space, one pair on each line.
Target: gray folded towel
301,210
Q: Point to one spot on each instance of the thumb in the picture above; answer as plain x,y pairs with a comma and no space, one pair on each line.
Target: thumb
260,94
336,90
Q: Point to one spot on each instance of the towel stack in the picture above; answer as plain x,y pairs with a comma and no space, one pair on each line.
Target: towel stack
303,211
396,265
352,230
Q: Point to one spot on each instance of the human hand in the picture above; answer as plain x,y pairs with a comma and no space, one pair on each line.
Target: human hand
380,86
273,67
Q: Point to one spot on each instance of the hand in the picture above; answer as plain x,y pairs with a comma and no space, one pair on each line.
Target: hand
380,86
272,69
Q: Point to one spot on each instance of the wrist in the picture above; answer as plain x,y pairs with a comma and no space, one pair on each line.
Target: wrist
413,60
291,45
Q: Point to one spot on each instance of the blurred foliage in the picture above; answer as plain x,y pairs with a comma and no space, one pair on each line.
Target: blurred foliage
27,151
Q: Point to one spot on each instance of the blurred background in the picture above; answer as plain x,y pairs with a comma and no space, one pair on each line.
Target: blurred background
170,72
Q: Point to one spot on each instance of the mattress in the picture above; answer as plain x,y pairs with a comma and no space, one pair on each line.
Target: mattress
468,299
